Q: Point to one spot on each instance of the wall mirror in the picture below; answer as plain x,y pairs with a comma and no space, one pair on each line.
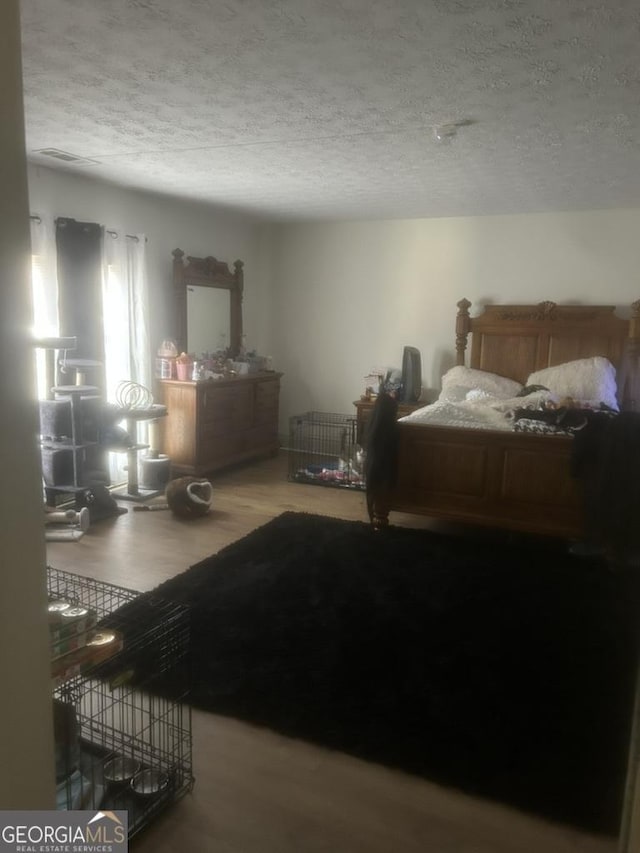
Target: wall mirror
208,304
208,319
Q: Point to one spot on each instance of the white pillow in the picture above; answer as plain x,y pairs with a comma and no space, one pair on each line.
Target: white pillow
586,379
457,382
477,395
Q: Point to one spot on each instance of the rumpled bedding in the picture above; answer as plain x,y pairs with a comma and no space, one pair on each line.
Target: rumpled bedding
538,412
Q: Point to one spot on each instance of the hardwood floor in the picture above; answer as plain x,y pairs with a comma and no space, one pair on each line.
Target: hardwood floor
141,549
259,792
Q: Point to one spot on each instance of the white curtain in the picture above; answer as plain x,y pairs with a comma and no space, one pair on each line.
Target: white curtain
125,301
125,306
126,329
44,288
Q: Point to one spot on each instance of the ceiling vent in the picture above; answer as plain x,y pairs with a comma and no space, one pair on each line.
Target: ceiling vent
65,156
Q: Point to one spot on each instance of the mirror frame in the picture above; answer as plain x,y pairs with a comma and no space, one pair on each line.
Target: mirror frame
207,272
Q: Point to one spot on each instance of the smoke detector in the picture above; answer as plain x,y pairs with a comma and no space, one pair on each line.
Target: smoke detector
446,132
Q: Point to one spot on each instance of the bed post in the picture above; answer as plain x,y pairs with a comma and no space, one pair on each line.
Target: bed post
463,327
380,507
631,382
634,329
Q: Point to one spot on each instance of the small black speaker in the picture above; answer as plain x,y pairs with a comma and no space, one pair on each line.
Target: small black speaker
411,375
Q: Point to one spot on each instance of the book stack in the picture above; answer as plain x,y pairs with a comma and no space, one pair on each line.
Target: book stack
76,644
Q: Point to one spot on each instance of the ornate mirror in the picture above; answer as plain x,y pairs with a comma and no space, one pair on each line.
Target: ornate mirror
208,304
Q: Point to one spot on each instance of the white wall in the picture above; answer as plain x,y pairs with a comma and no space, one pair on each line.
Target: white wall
331,301
26,725
169,224
348,296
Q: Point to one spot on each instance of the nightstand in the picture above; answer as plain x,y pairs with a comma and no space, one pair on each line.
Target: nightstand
364,408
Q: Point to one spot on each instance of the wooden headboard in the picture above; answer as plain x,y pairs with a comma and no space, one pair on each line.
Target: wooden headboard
515,340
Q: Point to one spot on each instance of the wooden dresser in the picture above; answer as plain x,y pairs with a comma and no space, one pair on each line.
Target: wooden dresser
212,424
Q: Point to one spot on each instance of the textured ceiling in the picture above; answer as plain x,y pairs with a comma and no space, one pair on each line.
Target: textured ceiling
308,109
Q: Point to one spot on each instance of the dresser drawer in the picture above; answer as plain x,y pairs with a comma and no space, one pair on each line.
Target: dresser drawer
266,403
215,429
211,425
228,403
267,392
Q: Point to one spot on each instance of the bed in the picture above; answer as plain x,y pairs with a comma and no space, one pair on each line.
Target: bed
501,477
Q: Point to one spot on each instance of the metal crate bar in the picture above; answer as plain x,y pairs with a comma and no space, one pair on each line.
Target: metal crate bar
118,710
323,450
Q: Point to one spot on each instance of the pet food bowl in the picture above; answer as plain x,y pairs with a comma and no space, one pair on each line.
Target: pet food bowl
120,770
148,783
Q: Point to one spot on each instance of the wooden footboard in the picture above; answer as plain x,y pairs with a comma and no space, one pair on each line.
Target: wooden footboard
509,480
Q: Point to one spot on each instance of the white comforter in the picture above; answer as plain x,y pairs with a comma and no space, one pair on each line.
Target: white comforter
478,411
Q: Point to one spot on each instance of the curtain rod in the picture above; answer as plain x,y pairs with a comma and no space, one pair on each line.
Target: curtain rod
115,235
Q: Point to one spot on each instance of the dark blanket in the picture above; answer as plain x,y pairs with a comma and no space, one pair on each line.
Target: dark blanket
505,671
606,460
381,443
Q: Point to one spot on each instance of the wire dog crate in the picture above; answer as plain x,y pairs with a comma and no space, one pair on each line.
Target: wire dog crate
122,729
323,450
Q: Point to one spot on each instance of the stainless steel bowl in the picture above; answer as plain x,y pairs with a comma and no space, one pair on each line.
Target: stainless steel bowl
120,769
149,782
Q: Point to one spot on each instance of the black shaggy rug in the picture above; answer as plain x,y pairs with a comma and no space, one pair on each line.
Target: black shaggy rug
504,671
